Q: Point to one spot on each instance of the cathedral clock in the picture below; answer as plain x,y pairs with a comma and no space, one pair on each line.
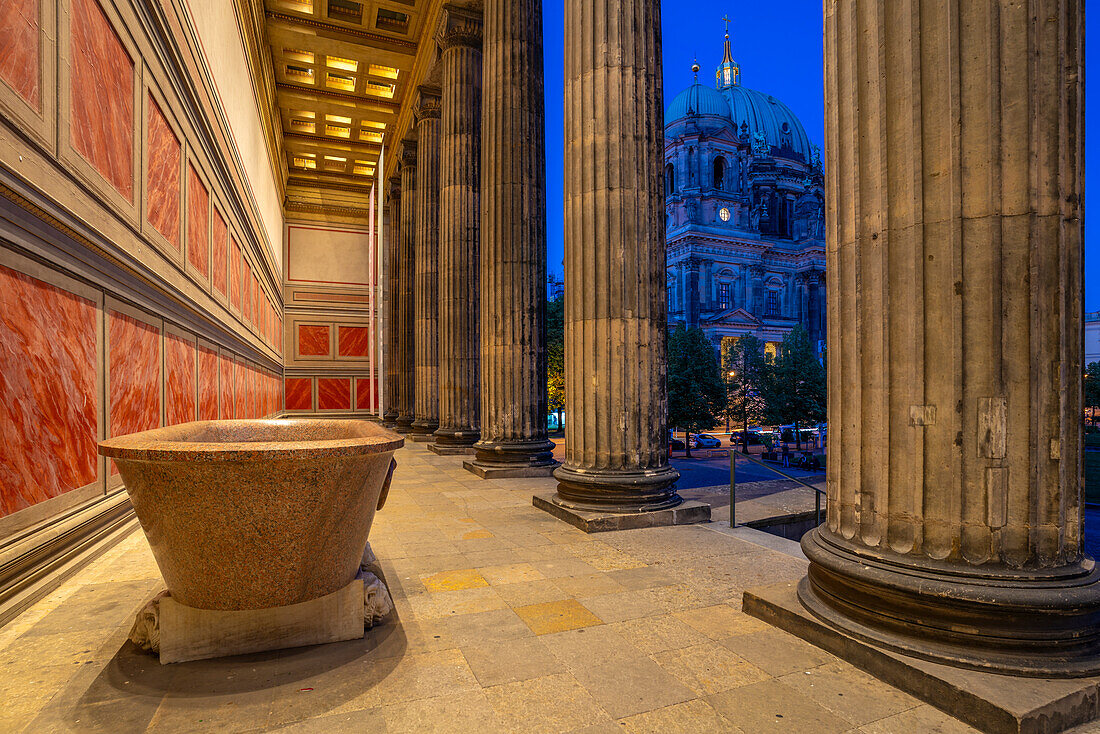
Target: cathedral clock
724,214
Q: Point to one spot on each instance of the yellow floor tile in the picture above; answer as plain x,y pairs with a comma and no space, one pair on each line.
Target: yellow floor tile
465,578
476,534
513,573
557,616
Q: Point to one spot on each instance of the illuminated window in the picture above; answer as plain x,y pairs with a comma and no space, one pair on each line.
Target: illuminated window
379,89
304,56
383,71
335,62
341,81
303,126
300,72
723,295
346,10
391,20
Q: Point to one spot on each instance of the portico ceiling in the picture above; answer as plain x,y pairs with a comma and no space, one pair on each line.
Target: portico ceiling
336,75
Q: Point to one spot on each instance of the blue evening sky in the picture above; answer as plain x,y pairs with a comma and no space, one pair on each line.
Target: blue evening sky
778,46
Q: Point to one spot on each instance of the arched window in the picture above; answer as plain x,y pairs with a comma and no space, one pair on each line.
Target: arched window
670,180
720,173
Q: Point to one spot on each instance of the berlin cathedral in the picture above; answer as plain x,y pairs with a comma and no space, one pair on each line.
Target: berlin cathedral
745,213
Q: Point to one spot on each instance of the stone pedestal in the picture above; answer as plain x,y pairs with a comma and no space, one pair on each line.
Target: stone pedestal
616,444
427,265
406,274
954,524
459,36
513,441
390,300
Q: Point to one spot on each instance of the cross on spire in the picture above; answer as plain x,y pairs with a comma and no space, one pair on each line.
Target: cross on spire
726,20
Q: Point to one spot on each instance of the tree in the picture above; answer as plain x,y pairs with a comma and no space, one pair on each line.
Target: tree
555,349
745,369
794,387
1092,388
696,391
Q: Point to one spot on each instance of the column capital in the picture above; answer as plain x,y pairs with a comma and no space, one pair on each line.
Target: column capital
459,26
429,102
394,187
406,153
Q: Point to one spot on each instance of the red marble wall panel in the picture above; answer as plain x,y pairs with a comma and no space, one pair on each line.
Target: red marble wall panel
299,393
257,298
365,390
134,370
253,392
333,393
246,292
313,341
208,384
164,176
240,390
101,94
219,256
179,390
19,65
235,273
48,401
198,213
354,341
225,368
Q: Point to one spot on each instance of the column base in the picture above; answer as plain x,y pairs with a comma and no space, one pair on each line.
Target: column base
616,491
683,513
389,419
404,424
512,459
991,702
423,430
1034,623
444,450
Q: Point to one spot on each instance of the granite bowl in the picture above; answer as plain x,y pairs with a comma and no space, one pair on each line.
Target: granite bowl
252,514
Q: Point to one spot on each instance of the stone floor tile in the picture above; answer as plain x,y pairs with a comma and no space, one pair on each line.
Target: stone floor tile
510,574
557,616
624,605
777,653
492,626
642,577
494,663
97,606
530,592
560,567
476,535
589,646
773,706
411,678
587,585
721,621
656,634
227,713
548,705
27,689
459,713
466,578
364,721
463,601
626,686
709,668
928,720
849,692
691,717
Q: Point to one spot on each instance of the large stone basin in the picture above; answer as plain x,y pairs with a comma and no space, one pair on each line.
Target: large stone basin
252,514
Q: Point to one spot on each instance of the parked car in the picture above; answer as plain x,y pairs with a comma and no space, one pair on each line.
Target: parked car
675,444
704,441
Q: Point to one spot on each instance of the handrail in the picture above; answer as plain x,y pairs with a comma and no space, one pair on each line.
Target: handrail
818,493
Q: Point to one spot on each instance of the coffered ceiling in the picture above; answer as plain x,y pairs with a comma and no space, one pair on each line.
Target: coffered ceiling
336,76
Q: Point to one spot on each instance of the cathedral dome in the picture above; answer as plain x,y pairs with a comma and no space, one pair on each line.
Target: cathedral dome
698,100
760,112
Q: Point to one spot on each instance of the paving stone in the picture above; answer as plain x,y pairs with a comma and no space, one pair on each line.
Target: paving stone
550,705
858,697
625,686
494,663
656,634
492,626
466,578
510,574
458,713
709,668
928,720
721,621
777,653
530,592
589,646
588,585
772,706
557,616
690,717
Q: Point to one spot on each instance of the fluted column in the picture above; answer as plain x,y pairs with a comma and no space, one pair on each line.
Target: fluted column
393,240
459,36
406,273
616,445
427,264
954,256
513,246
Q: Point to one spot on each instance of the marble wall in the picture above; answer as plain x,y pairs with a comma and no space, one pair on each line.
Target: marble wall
19,30
163,176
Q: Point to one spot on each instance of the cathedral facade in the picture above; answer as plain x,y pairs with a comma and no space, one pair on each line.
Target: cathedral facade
744,208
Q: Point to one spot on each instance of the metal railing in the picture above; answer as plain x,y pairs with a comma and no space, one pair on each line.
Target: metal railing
818,492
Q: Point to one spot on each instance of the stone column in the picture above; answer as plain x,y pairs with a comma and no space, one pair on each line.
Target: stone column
406,273
513,247
426,403
616,446
392,391
459,36
954,258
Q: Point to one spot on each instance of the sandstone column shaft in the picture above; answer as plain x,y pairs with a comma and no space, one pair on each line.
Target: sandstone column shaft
460,157
615,321
427,264
406,359
954,137
392,280
513,244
